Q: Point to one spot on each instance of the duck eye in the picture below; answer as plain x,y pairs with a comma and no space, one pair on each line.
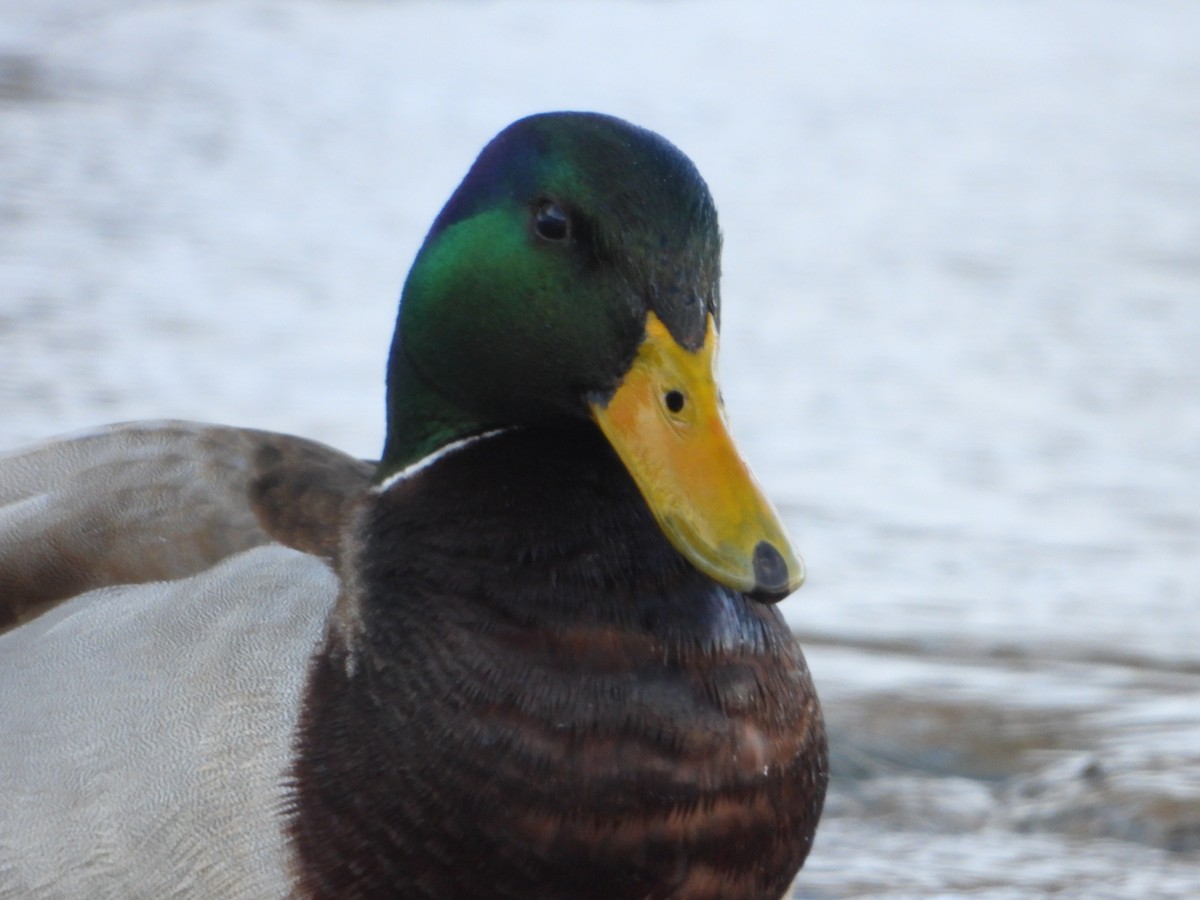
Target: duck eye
552,222
674,400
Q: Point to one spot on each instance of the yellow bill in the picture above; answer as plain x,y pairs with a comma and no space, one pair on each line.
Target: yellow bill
666,423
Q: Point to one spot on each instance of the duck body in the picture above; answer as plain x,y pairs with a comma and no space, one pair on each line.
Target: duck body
610,724
533,653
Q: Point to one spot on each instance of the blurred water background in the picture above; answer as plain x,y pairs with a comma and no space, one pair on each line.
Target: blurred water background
961,342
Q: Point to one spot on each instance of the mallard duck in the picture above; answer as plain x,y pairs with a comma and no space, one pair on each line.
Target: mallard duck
533,652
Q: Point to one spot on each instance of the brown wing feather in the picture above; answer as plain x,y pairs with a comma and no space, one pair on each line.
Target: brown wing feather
153,501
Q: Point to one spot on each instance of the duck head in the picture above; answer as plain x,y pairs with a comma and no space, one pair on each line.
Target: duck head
574,274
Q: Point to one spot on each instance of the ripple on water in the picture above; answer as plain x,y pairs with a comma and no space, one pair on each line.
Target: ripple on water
1006,778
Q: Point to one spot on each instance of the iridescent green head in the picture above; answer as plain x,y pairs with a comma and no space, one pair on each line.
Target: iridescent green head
531,290
577,265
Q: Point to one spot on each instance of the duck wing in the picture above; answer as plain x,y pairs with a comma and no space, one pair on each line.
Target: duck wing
159,501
